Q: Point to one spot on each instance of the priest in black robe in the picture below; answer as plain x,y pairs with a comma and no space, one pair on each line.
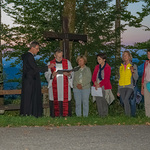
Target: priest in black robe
31,97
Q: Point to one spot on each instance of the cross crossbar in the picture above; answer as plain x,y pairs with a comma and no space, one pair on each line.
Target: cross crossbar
60,36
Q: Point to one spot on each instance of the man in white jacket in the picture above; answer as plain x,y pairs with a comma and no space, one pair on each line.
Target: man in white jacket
59,85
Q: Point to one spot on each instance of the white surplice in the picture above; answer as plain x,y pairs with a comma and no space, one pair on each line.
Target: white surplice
60,88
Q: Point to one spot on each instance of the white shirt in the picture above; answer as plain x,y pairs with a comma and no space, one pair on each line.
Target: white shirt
147,72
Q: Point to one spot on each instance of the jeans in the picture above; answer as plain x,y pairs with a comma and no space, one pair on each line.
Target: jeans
81,97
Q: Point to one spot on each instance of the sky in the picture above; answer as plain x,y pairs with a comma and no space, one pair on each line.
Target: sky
129,37
133,35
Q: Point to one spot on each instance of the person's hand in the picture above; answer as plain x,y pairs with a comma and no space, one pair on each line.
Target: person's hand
96,85
132,69
66,73
118,94
79,86
51,65
142,89
54,74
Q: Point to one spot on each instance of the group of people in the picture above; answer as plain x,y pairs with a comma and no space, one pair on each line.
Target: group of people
61,78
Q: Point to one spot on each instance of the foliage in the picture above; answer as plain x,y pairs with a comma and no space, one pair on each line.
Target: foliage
32,18
139,51
95,18
12,99
35,17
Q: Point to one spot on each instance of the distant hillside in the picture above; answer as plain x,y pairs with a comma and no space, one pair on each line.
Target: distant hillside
10,73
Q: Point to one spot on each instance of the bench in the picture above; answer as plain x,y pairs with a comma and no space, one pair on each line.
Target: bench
17,106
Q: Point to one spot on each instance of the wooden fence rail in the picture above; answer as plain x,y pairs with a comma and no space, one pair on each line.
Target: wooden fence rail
17,106
15,92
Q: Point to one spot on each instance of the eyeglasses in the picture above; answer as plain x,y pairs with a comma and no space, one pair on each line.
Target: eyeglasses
37,48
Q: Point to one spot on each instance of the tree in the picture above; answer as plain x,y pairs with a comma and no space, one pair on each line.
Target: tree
29,16
69,14
1,66
95,18
118,38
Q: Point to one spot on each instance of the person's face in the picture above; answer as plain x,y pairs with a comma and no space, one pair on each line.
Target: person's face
35,49
100,60
126,57
148,55
81,62
58,56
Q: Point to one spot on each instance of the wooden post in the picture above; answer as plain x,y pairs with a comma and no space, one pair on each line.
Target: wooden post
66,40
46,111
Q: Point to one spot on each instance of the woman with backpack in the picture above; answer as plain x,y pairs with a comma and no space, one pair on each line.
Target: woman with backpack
127,75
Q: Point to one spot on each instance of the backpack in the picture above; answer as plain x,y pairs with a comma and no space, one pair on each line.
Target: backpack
134,84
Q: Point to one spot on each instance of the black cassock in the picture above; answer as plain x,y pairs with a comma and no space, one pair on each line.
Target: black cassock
31,97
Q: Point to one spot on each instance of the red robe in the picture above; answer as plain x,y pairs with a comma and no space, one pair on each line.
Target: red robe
65,90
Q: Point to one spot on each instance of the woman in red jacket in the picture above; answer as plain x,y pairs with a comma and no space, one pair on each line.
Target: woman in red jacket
101,78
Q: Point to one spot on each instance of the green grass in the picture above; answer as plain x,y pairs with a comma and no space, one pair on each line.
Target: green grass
16,121
116,117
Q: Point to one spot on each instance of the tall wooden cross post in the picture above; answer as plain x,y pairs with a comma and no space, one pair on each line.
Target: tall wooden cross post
66,37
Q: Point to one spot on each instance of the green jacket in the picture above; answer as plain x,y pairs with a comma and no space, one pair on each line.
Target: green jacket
86,78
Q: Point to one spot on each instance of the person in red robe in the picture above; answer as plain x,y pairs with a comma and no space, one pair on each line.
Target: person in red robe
59,85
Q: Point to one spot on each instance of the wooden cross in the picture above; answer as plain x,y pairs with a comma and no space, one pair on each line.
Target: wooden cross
66,37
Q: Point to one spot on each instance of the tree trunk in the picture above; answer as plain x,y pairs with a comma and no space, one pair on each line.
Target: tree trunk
69,14
85,23
118,38
1,66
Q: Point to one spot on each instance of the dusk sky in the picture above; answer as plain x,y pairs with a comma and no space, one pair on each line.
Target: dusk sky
129,37
133,35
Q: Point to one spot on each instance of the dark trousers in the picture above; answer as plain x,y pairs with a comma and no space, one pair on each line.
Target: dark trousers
125,94
52,114
132,101
102,105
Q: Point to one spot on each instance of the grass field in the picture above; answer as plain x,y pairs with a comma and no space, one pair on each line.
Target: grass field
17,121
116,117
